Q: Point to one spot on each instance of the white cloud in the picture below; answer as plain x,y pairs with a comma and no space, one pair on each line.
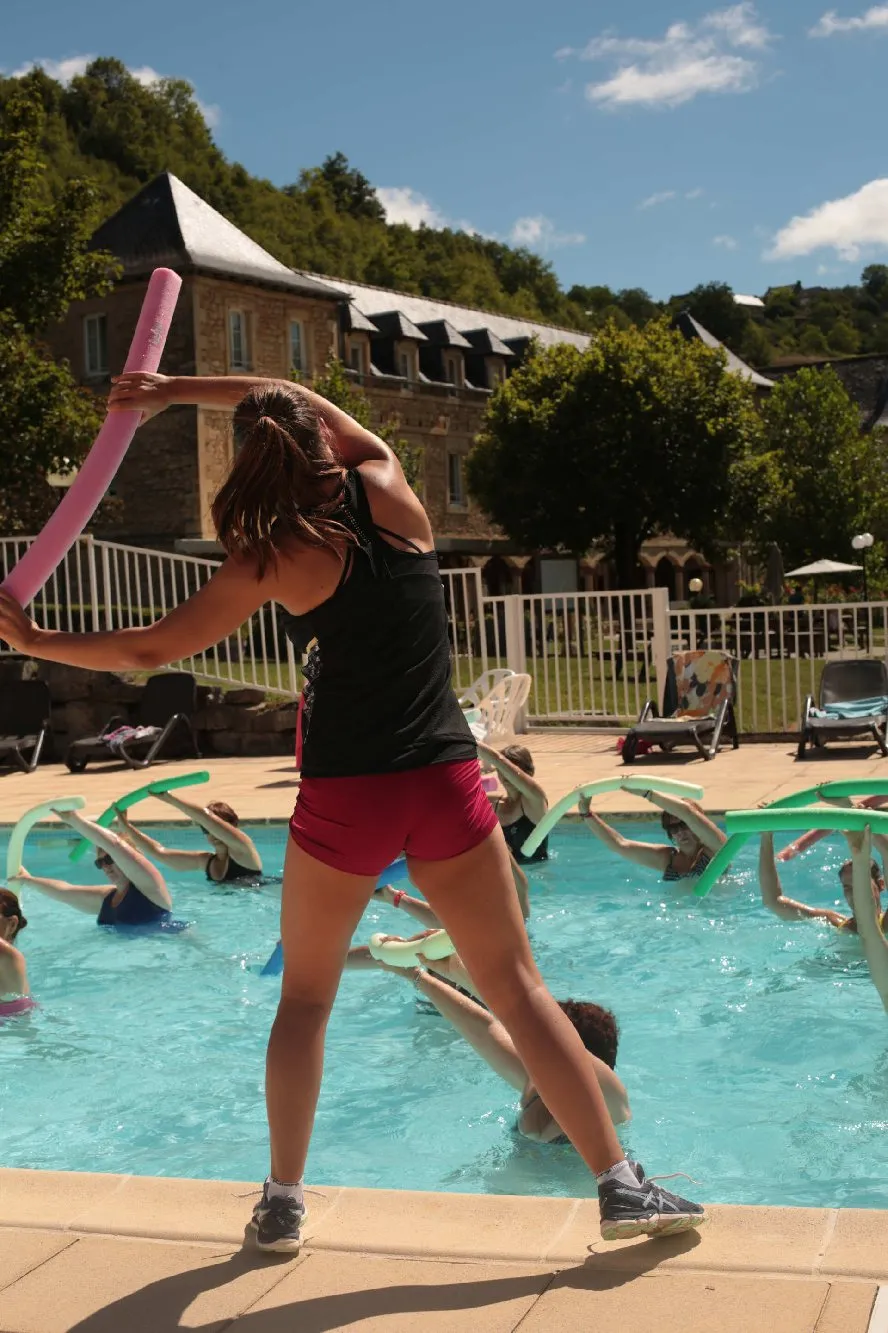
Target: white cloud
405,205
540,233
661,197
874,19
848,226
697,193
725,242
63,71
689,59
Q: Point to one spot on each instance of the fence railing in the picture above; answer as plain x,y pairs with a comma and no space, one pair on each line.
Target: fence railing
594,658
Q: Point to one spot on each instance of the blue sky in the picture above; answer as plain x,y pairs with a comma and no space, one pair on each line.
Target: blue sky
639,144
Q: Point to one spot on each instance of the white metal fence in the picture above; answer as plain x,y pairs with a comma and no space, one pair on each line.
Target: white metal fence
593,657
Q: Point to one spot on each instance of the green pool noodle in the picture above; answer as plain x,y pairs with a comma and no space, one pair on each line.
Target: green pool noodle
807,796
106,818
855,787
669,786
809,817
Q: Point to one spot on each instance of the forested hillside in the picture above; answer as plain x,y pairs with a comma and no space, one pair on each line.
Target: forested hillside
108,128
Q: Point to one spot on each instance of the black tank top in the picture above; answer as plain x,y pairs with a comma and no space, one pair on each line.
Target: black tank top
381,698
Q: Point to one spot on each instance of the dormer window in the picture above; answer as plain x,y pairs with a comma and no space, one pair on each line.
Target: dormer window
406,362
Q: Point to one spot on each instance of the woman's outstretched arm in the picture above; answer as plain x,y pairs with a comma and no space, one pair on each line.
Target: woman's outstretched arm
651,855
773,896
85,898
139,871
692,814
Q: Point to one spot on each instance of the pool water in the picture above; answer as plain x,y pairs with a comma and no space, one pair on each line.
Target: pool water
754,1050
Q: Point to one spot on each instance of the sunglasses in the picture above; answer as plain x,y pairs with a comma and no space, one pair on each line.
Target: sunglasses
103,862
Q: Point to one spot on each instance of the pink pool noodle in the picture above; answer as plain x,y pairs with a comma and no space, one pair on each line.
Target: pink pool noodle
104,458
815,834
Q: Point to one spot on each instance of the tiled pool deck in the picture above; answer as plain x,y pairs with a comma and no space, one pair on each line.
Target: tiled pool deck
113,1254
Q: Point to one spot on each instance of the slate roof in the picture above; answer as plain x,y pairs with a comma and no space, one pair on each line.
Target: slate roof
690,328
484,340
441,333
395,324
166,224
372,301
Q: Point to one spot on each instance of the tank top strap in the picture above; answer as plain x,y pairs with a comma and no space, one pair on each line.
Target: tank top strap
355,513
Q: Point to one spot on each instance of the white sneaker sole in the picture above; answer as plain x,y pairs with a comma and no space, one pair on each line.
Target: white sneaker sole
658,1225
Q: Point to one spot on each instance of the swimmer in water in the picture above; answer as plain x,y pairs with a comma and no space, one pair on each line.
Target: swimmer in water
15,993
138,895
524,803
233,856
866,909
693,837
597,1028
789,909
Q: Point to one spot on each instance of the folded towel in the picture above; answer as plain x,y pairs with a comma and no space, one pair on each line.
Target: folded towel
853,708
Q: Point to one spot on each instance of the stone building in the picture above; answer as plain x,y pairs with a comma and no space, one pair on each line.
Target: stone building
428,366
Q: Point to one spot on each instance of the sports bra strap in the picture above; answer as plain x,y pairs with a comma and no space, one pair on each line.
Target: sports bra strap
387,532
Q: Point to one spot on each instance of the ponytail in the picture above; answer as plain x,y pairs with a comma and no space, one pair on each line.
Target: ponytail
280,483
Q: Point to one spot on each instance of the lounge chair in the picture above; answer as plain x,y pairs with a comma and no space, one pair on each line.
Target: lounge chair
24,722
495,718
471,697
698,706
168,703
853,701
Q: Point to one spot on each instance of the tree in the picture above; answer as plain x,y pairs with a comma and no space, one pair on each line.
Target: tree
830,478
46,422
712,304
335,385
642,432
351,190
844,338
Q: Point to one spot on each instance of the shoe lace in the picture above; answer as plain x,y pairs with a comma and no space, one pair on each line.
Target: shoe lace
673,1175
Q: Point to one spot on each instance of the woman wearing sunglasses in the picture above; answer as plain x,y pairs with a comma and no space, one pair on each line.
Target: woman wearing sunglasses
693,838
138,895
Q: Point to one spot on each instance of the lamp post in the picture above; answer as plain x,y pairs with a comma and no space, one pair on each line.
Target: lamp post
862,543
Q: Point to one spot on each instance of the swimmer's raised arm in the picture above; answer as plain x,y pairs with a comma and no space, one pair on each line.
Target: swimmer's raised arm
651,855
168,856
414,907
866,912
773,896
691,814
534,798
153,393
138,870
85,898
239,844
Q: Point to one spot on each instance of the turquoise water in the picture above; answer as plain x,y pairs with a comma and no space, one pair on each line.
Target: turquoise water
754,1051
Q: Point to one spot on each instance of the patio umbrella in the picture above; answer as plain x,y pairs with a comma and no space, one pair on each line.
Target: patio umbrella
818,568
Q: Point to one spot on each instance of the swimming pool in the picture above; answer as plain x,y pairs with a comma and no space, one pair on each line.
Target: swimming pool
754,1050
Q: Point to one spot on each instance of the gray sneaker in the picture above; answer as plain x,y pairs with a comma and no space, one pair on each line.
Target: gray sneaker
645,1211
276,1222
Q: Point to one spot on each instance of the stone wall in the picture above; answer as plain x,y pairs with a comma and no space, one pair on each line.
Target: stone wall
233,722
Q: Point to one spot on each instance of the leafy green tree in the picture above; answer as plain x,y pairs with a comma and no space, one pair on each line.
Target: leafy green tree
813,341
712,304
46,422
830,479
351,190
335,385
844,338
641,433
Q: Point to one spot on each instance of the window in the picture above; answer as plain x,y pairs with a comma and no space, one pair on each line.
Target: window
496,373
239,351
456,494
356,356
451,370
405,365
95,344
297,346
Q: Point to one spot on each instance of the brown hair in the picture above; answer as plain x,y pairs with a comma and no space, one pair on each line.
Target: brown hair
222,810
597,1028
875,870
278,485
10,906
520,756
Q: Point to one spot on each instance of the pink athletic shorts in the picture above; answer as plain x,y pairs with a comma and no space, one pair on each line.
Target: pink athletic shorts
360,825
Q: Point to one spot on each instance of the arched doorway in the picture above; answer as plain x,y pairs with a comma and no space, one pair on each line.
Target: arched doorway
664,576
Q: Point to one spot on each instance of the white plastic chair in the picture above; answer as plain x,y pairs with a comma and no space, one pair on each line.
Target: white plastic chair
481,687
499,710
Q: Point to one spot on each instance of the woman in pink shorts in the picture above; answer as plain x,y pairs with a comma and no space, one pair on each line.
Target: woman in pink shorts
316,514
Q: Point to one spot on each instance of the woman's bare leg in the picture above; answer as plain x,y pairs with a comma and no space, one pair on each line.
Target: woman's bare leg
320,910
474,897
